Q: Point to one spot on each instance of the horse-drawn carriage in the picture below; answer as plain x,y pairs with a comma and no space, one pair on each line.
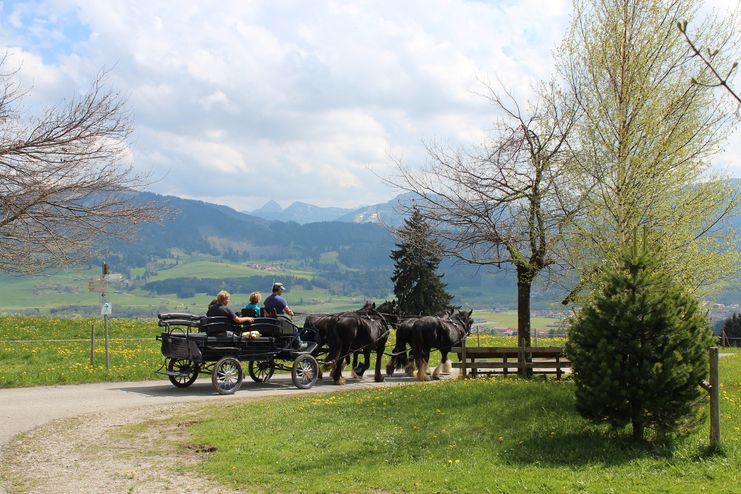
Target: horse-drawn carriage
193,345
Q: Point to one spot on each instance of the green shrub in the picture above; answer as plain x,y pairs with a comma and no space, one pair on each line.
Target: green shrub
640,349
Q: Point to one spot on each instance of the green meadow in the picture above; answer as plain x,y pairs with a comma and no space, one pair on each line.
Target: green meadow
50,350
487,435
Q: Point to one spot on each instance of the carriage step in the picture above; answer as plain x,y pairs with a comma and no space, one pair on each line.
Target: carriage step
176,374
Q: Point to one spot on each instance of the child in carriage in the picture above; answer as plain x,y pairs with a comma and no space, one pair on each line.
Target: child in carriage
254,305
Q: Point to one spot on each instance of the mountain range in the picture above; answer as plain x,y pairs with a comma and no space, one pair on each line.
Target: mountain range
349,253
388,213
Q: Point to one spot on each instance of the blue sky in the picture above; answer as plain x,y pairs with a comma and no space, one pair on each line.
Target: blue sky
239,102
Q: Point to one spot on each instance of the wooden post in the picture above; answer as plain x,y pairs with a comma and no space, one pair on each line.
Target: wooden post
714,399
107,353
463,356
92,344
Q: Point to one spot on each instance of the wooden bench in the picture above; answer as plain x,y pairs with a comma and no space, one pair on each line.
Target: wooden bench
506,360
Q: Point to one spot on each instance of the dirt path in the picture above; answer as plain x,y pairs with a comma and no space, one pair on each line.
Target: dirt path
117,437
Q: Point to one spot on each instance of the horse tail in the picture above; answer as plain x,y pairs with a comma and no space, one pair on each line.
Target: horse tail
418,350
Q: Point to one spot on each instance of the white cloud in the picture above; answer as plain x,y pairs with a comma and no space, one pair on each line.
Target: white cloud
302,97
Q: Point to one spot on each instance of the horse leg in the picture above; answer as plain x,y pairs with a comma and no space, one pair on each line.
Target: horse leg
441,365
340,365
366,361
421,362
409,367
332,356
359,370
448,367
391,366
379,356
395,362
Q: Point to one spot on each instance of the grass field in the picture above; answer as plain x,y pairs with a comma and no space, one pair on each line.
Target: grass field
221,269
487,435
69,288
48,350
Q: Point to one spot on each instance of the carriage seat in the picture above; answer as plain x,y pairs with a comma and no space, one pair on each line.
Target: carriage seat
168,316
248,313
216,326
268,326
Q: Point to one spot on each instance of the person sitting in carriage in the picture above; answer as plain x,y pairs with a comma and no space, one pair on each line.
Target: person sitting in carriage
220,308
276,305
253,308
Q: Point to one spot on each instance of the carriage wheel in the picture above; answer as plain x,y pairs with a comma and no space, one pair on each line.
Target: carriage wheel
227,376
187,370
261,370
305,371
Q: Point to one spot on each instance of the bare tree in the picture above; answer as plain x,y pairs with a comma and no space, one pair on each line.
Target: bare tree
64,179
506,202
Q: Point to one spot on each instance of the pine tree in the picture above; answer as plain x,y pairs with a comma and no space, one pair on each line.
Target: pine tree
418,287
640,349
732,329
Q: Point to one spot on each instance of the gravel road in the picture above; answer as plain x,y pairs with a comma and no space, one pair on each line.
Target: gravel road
71,432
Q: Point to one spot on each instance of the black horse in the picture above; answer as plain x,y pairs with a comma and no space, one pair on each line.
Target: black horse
400,359
357,333
322,324
442,333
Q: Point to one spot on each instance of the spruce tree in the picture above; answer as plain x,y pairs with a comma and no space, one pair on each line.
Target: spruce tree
418,287
640,349
732,329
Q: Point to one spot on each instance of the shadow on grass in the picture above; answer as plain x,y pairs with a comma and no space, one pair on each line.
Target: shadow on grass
577,448
562,437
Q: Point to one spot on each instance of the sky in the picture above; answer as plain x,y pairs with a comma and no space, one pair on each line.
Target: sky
241,102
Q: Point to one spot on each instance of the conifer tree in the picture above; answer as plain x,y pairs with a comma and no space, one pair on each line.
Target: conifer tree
640,349
732,329
418,287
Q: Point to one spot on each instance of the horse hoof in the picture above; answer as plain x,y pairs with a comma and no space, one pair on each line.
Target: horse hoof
340,381
379,379
448,367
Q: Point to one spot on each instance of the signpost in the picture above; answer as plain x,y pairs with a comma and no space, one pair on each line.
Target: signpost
100,285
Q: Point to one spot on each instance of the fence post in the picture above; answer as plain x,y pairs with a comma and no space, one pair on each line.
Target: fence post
107,354
463,357
92,344
714,399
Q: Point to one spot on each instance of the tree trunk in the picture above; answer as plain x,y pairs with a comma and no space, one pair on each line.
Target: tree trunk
524,285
